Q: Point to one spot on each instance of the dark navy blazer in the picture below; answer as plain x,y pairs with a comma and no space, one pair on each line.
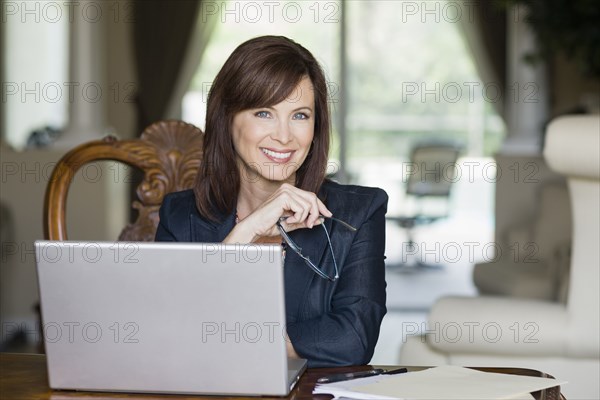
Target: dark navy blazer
329,323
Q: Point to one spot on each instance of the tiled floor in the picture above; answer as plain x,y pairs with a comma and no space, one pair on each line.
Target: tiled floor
455,244
411,291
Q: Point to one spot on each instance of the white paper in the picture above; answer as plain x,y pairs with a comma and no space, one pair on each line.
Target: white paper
345,389
445,382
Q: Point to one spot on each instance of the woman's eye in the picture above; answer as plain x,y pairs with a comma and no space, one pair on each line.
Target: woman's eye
301,115
262,114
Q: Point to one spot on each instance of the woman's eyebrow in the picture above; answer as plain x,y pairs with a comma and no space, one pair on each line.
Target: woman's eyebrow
303,108
261,108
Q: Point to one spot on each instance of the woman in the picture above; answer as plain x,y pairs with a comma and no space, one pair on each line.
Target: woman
263,174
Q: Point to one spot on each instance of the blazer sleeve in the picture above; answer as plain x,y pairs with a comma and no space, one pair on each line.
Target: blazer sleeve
348,333
173,224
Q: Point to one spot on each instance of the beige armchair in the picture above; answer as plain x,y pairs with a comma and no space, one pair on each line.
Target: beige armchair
560,339
542,269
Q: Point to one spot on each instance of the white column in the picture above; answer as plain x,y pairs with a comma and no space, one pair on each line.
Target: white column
87,89
342,175
526,99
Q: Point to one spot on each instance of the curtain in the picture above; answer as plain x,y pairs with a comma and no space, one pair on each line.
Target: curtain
169,38
483,27
201,34
3,78
163,31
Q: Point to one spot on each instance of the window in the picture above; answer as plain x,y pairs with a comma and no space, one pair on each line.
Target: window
409,74
35,84
410,78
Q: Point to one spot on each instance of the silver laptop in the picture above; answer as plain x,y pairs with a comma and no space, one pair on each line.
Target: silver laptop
165,318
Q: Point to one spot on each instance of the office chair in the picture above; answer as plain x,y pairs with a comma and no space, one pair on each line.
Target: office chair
169,154
431,173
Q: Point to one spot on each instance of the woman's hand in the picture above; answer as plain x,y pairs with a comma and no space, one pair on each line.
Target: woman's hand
302,208
289,347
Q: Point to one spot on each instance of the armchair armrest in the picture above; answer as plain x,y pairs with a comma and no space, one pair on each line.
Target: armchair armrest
572,144
498,325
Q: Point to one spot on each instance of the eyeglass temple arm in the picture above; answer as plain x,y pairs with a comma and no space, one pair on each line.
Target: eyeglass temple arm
347,225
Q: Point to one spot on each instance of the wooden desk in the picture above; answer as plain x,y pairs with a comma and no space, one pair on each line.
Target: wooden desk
23,377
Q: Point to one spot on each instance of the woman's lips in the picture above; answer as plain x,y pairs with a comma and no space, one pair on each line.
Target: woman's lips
277,156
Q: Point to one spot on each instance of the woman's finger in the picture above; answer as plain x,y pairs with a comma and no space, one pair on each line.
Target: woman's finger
316,206
301,208
323,209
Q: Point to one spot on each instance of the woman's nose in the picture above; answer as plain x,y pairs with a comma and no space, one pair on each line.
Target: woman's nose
282,133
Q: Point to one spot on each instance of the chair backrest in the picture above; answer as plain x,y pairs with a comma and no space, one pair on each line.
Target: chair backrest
432,170
573,148
168,153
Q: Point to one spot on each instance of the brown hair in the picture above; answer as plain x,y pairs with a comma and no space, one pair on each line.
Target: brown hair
261,72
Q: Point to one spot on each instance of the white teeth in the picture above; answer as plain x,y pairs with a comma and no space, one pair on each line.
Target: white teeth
276,155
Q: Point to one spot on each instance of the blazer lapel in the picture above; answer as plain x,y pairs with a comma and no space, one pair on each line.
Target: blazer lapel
203,230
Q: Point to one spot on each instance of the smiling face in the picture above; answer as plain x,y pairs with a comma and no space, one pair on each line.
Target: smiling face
272,142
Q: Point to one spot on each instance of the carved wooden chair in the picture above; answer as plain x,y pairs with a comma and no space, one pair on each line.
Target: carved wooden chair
169,154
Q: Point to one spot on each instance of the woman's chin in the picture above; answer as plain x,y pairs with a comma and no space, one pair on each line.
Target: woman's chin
280,174
280,179
285,173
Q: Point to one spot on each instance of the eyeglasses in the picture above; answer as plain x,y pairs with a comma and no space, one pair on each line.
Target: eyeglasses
288,240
